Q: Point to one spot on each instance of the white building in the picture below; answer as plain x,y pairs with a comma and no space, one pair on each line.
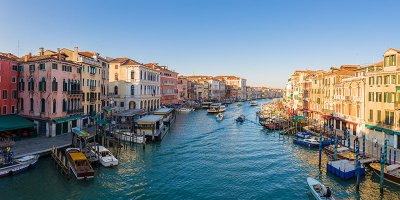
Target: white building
133,85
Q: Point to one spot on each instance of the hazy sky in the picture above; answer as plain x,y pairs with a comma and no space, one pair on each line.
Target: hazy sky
263,41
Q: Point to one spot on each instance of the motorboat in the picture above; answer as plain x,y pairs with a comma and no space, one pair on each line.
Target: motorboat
220,116
105,157
342,152
185,109
241,118
239,104
391,172
311,142
303,135
79,164
253,103
205,105
15,166
318,190
216,108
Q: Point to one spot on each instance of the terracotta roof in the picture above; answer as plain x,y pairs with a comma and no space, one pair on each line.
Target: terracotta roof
125,61
158,67
398,51
378,64
86,53
228,77
30,58
8,56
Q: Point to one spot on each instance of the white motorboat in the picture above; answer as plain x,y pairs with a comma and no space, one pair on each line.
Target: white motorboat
317,189
220,116
105,157
185,109
253,103
18,165
216,108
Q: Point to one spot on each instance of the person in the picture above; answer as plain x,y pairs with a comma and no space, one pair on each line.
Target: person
328,193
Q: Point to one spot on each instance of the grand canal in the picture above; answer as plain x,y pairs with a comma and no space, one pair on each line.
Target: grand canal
200,158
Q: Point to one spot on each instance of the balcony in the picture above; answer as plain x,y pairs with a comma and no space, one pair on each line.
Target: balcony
327,112
75,92
75,111
92,88
92,100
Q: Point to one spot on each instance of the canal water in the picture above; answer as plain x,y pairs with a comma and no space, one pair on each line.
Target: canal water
200,158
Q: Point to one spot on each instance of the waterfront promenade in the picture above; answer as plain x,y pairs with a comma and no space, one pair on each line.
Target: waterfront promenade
42,144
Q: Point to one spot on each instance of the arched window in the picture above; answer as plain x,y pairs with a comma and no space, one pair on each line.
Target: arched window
54,85
31,105
54,106
31,85
42,85
132,90
132,74
42,106
64,105
21,86
115,90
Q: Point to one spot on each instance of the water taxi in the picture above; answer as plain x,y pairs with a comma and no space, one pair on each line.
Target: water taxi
18,165
105,157
391,172
216,108
253,103
79,164
220,116
311,142
318,190
303,135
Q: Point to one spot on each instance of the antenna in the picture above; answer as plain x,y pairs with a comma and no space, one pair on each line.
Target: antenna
18,49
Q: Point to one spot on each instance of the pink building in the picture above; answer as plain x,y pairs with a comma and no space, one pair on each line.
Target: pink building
168,84
182,89
50,92
8,84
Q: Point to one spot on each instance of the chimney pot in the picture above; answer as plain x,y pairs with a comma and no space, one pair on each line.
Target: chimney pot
41,51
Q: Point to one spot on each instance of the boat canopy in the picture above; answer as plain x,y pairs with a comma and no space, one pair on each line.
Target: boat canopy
67,119
130,113
163,111
149,119
80,133
12,122
77,156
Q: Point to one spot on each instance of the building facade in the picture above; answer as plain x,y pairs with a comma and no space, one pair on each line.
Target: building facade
168,82
8,83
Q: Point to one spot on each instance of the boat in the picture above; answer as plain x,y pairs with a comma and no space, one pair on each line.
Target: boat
341,152
16,166
240,104
220,116
128,136
79,164
253,103
185,109
310,142
206,105
303,135
241,118
105,157
216,108
317,189
391,172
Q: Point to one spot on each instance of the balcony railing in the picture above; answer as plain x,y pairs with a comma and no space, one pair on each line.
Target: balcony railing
92,100
75,92
92,88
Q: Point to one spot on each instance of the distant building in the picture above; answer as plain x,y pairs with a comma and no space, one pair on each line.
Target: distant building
168,83
182,89
8,83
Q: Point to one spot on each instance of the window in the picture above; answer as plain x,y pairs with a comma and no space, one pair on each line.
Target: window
379,80
54,85
379,116
42,66
31,105
132,90
5,95
42,85
116,76
32,67
13,79
21,85
54,66
65,85
122,104
115,90
13,109
14,94
379,97
116,66
42,106
21,68
14,67
4,110
21,104
64,105
54,106
371,115
31,85
386,79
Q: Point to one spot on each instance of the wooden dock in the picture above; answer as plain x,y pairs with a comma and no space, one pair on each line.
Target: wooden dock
61,161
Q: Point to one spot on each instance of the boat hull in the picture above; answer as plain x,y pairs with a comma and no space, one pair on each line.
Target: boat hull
387,176
18,167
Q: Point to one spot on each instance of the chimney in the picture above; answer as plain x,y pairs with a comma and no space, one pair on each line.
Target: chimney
75,54
58,54
27,56
41,51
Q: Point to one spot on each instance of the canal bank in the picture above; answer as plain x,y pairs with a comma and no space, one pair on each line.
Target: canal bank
199,158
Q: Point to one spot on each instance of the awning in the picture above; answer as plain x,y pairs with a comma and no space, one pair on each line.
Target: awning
108,109
96,117
298,117
67,119
101,122
12,122
378,128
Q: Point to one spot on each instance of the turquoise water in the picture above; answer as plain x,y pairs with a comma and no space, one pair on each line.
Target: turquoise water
199,159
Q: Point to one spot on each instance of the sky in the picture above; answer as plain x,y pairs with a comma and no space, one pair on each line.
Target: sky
263,41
